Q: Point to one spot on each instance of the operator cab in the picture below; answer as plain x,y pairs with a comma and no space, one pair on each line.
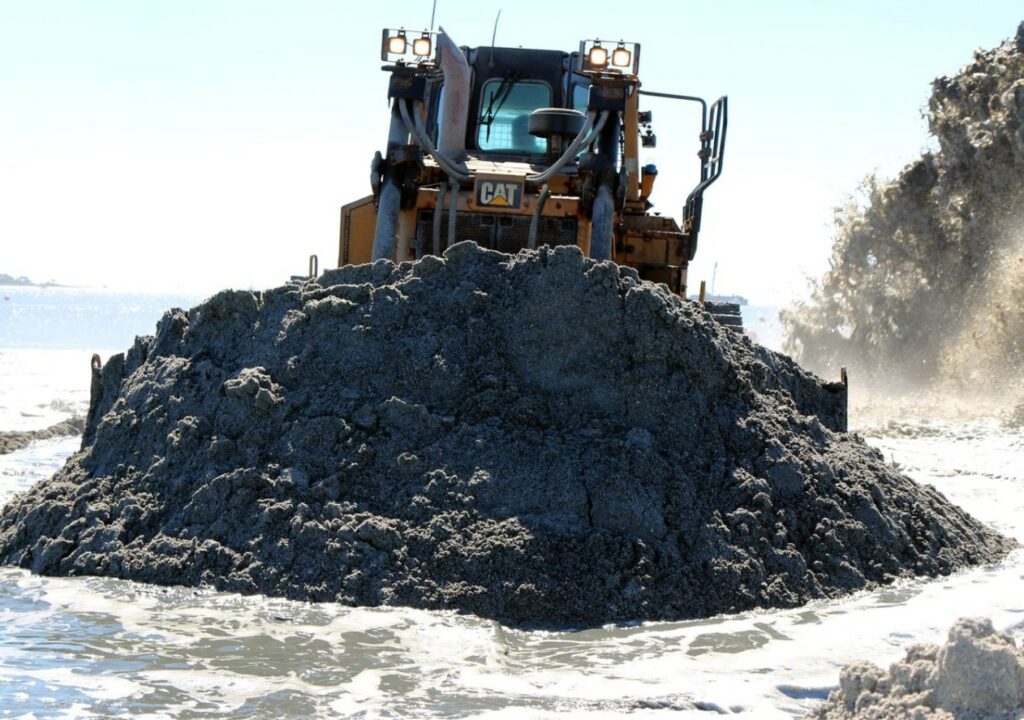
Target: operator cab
509,85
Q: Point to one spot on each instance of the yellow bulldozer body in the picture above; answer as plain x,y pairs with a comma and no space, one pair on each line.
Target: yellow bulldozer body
579,164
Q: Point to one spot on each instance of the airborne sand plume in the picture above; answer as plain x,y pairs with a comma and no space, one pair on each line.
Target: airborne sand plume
541,439
926,286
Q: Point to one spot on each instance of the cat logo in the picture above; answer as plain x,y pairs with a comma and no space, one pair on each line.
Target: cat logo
499,193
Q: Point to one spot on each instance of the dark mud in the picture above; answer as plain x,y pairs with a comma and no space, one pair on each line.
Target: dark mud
540,439
17,439
927,273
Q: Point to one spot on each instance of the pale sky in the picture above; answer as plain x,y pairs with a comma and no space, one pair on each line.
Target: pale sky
191,145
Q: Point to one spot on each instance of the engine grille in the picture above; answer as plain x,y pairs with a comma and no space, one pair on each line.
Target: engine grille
505,233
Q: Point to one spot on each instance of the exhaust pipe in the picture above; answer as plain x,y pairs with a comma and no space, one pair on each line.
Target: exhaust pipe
455,110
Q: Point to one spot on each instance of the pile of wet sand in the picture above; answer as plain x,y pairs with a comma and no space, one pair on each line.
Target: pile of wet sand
927,274
11,440
541,439
978,674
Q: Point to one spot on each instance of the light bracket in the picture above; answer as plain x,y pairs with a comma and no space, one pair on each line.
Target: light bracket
408,46
614,58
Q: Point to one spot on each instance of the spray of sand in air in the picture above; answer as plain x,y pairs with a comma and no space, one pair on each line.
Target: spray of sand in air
923,300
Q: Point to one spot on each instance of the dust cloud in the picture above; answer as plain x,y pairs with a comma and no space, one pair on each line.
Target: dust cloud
924,293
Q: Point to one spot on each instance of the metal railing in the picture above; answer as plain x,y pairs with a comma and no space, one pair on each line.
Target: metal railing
714,121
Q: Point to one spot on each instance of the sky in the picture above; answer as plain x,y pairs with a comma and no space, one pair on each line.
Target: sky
192,145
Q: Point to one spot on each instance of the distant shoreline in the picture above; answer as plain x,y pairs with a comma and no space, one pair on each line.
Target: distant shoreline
11,281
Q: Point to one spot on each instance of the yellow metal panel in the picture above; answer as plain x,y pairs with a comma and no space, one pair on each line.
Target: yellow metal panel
583,236
358,220
656,247
556,206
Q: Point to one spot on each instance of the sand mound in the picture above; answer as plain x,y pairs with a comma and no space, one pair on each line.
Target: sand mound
537,438
977,675
927,275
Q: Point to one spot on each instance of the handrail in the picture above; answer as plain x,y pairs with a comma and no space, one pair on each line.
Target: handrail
712,158
690,98
714,123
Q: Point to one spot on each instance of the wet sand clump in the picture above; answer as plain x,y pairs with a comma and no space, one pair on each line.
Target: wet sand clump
978,674
541,439
11,440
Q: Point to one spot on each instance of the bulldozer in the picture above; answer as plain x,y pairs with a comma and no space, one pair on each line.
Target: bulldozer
515,148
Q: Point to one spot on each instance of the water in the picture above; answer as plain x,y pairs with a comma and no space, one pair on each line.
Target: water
761,323
93,647
65,317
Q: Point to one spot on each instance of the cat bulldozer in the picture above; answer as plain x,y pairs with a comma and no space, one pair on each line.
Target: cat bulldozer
515,148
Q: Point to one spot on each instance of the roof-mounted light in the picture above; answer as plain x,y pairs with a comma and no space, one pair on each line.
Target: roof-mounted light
400,46
595,57
396,45
422,46
621,57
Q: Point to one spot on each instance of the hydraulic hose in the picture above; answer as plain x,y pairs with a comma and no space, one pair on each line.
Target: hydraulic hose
531,243
595,132
442,188
586,133
453,203
416,129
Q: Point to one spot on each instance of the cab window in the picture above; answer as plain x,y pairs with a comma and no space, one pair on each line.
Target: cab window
504,120
580,97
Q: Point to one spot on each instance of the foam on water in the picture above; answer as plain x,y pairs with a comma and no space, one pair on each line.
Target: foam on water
20,470
42,387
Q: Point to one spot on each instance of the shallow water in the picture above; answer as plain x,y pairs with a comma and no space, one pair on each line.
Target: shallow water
94,647
70,317
48,336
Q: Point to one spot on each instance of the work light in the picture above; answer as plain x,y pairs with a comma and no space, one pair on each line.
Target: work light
421,46
598,56
621,57
396,44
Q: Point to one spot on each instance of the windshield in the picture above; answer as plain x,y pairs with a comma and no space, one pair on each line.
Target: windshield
505,107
